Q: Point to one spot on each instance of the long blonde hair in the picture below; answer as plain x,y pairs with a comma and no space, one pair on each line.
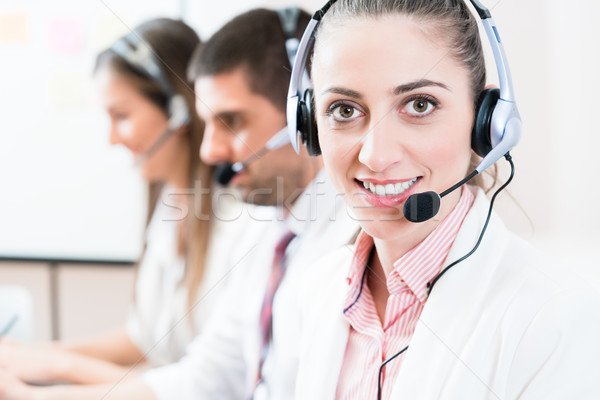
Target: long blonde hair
173,43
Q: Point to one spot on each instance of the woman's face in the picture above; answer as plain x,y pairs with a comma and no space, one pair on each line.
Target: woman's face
137,123
394,112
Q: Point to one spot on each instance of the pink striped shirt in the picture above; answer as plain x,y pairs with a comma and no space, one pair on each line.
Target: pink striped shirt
370,343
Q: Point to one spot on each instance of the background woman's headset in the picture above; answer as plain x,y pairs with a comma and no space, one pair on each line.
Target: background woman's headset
140,56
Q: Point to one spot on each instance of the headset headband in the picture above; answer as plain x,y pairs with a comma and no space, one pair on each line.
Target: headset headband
141,57
288,17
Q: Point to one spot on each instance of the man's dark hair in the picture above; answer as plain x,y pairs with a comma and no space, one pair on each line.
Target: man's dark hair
254,41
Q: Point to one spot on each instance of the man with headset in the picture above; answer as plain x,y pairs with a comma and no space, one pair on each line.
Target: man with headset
242,74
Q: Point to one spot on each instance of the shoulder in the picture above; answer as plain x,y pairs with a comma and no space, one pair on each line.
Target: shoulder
551,311
555,320
538,274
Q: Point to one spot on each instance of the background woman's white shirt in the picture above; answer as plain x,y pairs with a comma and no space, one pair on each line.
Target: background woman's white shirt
160,323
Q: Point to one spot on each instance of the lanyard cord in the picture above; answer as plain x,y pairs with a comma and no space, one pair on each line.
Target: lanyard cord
430,284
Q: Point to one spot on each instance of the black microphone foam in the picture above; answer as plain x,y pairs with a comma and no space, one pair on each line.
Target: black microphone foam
224,173
421,206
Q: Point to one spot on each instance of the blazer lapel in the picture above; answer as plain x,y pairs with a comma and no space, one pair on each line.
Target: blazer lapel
324,345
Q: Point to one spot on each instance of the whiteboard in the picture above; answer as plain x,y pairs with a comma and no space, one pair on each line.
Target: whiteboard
65,193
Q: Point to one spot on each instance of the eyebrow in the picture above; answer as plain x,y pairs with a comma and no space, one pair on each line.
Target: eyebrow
407,87
228,114
343,92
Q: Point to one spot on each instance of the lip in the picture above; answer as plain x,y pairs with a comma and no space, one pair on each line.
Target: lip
386,201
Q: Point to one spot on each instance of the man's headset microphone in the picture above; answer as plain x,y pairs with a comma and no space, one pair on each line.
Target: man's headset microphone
140,56
288,18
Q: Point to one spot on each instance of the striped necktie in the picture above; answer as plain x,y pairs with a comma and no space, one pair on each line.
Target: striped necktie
266,311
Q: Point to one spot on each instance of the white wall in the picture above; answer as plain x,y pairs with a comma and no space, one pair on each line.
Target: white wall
553,52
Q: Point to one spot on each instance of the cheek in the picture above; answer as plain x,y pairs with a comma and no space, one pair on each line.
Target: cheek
126,129
150,126
338,152
450,154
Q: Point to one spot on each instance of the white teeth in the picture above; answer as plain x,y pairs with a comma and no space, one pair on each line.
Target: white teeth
390,189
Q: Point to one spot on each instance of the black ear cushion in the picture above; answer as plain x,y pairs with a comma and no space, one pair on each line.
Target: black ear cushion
310,136
480,136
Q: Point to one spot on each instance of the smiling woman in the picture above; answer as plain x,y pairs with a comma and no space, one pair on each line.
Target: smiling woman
399,104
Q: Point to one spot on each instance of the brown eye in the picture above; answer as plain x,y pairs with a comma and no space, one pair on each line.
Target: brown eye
420,106
344,112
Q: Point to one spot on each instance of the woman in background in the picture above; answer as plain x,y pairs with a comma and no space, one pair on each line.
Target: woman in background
142,85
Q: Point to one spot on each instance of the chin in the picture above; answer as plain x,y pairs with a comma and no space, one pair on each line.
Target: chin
386,228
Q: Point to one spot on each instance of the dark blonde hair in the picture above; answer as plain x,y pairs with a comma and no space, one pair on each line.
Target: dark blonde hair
173,43
449,20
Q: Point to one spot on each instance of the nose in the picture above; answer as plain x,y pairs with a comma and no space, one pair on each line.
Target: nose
379,148
216,146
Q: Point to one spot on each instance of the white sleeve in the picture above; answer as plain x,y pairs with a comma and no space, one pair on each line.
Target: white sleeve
221,363
135,327
214,366
138,328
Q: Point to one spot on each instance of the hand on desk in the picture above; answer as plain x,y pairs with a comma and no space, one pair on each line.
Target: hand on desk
13,389
31,363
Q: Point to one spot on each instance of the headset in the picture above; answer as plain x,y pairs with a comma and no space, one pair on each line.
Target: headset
496,129
140,56
288,18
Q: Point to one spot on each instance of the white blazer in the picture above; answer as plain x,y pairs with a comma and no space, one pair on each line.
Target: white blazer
502,324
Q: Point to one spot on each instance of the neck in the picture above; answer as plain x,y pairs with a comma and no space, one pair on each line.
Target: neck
389,251
180,176
410,235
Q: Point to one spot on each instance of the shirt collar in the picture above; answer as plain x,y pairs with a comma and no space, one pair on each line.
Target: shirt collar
418,266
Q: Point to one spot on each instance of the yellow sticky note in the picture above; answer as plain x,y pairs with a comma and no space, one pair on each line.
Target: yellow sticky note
14,28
